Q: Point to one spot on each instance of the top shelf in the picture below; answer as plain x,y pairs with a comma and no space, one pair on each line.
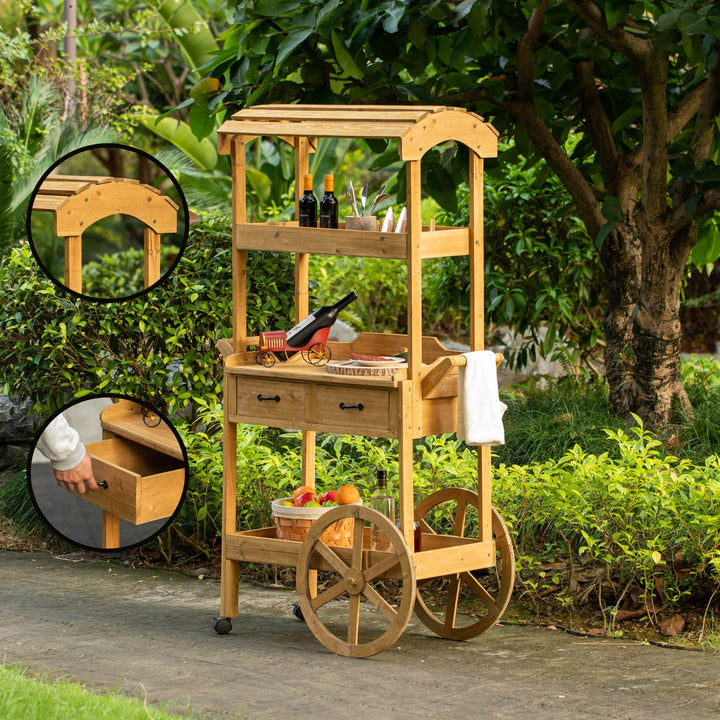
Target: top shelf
416,128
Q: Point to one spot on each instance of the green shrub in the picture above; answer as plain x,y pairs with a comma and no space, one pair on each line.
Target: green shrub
647,519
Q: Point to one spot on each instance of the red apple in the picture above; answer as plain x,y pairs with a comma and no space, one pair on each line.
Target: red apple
304,498
327,497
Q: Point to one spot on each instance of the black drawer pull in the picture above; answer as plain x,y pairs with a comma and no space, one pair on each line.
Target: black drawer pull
102,484
345,406
276,398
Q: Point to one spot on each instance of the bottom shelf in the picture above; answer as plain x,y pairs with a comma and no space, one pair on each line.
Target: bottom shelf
440,554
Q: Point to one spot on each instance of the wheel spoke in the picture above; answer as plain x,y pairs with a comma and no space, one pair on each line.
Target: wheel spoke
385,565
482,594
452,602
379,602
425,527
357,546
353,620
330,555
327,595
460,515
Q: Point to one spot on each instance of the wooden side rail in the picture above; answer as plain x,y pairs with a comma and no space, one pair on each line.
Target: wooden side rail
442,367
77,202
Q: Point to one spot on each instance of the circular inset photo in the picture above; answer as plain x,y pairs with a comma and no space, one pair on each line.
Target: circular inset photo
108,472
107,222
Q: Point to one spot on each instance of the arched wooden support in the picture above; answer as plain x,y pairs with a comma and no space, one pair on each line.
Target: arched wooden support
77,202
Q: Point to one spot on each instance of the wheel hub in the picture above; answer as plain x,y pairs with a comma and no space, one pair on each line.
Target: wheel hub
354,581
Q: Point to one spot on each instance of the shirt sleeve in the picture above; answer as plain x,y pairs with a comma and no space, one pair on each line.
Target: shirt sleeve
61,444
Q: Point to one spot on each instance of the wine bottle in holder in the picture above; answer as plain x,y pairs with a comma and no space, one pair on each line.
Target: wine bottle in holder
329,205
323,317
307,207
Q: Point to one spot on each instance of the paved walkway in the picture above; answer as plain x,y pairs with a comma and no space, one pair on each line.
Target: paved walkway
150,633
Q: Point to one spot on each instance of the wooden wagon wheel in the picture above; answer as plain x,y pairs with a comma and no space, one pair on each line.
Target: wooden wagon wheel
317,354
382,623
489,590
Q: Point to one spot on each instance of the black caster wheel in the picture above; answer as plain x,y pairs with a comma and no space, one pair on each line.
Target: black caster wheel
297,611
223,626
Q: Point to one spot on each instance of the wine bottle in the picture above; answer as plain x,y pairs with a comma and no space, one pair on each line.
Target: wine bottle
329,205
385,504
323,317
307,207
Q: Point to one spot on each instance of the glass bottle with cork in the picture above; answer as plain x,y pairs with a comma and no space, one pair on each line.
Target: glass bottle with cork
385,504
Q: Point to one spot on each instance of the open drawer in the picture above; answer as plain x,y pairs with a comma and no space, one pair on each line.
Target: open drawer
142,484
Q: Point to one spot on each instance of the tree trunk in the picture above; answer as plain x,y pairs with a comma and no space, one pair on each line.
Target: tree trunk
657,331
621,257
644,265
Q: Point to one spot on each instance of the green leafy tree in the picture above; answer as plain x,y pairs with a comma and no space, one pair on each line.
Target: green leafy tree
637,82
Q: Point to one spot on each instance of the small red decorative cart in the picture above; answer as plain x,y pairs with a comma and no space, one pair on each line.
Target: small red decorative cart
274,342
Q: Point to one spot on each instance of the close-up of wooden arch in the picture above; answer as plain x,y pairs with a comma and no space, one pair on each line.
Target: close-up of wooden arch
78,201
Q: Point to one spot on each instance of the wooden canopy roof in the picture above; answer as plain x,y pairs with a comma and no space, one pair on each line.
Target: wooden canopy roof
417,128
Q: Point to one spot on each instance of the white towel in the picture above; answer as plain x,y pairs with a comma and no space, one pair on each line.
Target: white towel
479,408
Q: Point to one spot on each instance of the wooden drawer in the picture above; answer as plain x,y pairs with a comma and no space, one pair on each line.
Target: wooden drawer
351,408
143,484
266,402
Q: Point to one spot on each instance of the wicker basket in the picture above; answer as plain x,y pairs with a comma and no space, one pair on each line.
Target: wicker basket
293,523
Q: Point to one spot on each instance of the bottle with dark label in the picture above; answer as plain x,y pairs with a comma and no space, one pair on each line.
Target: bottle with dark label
329,205
385,504
307,207
323,317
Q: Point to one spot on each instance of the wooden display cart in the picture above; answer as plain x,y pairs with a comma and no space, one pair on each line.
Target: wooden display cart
78,201
141,466
413,402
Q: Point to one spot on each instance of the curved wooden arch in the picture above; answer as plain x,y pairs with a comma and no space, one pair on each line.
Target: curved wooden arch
77,202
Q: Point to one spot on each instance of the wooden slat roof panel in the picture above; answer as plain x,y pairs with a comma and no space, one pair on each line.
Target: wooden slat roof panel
417,127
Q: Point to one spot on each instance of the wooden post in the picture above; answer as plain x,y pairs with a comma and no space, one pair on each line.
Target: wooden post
477,328
302,302
151,257
302,310
302,164
73,263
239,257
414,289
230,572
110,530
406,508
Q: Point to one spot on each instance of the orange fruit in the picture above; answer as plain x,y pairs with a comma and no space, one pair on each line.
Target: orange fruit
303,489
347,494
